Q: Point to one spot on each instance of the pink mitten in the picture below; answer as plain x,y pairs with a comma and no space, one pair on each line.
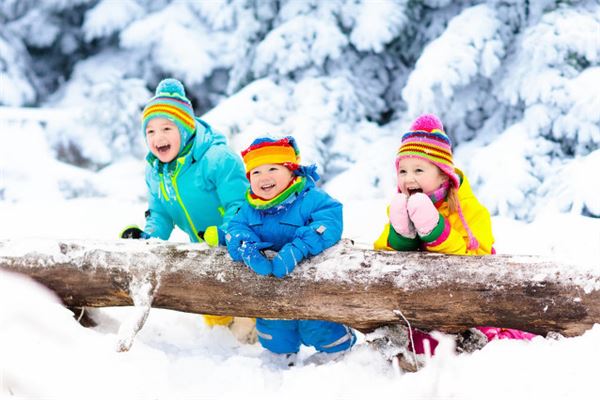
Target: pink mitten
423,213
399,217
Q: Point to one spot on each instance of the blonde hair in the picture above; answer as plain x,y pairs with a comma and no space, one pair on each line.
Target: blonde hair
453,202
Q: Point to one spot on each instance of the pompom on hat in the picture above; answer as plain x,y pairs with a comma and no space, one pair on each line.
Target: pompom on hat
427,123
428,141
170,102
266,150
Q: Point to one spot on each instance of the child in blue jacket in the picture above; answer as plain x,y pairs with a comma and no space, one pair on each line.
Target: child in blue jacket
285,212
194,180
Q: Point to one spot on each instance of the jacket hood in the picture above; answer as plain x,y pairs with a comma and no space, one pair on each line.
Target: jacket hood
309,172
205,138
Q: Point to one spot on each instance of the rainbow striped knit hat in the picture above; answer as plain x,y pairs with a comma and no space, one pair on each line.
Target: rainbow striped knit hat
428,141
170,102
265,150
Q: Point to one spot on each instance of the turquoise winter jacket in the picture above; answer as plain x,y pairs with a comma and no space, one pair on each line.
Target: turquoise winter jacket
204,186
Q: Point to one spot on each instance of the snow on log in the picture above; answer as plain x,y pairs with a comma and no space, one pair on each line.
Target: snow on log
360,287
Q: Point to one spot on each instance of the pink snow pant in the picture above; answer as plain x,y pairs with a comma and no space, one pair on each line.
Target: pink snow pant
492,333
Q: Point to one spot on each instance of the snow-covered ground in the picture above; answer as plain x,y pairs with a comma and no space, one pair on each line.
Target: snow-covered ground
46,354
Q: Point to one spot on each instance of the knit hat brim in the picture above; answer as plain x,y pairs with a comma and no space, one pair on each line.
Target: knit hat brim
269,151
433,146
445,168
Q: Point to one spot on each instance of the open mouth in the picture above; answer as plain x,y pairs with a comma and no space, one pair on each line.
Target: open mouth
414,190
164,148
267,187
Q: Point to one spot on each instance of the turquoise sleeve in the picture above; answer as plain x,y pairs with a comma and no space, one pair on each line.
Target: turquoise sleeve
228,175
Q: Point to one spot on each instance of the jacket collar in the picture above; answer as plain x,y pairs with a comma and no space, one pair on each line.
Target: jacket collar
289,218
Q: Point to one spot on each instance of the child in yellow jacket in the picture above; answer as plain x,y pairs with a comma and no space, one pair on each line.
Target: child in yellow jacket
435,210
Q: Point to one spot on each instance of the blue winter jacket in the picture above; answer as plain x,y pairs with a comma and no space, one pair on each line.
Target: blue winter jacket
202,187
311,220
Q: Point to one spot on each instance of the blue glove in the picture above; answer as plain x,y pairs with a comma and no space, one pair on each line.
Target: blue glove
254,257
234,243
133,232
286,260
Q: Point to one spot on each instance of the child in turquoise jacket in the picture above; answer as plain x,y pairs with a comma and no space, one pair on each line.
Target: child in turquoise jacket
195,181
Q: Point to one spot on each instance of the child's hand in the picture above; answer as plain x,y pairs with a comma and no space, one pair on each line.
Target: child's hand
423,213
133,232
213,236
286,260
255,259
399,217
234,244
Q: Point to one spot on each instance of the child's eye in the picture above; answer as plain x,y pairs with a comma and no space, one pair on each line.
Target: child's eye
254,173
418,170
402,172
149,132
273,169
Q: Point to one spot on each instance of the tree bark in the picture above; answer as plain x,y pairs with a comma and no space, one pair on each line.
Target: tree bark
359,287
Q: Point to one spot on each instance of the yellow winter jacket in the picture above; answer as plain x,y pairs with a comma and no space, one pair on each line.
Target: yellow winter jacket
455,239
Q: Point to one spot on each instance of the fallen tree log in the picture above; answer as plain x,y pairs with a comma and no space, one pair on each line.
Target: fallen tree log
360,287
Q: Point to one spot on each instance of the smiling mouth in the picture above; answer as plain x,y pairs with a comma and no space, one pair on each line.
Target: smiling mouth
267,187
413,191
163,149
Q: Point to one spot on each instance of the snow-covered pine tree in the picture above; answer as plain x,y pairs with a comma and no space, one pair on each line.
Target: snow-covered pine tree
16,83
330,68
547,116
511,79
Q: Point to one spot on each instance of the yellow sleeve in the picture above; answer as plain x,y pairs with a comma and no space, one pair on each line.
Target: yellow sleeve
382,241
456,237
481,226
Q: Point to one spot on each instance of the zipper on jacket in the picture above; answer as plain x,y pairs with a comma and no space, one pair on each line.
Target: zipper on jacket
180,162
162,187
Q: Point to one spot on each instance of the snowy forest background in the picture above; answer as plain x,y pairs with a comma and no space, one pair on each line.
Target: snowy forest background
515,83
515,80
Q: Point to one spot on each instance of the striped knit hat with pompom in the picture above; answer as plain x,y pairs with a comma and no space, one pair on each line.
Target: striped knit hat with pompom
428,141
265,150
170,102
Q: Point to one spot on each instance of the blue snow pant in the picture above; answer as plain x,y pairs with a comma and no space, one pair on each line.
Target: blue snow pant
285,336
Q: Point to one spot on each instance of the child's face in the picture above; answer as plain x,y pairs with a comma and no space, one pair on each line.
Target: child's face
418,175
163,139
268,180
